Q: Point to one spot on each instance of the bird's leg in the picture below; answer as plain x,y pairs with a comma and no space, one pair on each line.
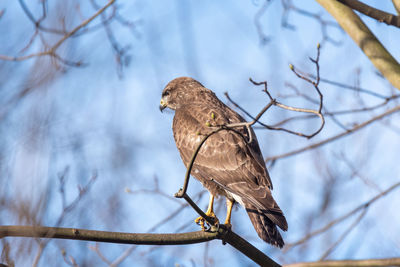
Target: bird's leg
210,212
229,204
210,209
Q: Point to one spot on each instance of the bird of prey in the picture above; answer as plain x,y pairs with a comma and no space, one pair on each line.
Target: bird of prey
230,162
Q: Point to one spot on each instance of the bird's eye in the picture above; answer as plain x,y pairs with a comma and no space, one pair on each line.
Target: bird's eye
166,93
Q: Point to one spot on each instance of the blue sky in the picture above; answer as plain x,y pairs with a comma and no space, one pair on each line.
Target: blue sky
91,119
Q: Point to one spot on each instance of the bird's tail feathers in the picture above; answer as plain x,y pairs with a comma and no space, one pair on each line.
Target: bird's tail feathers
265,223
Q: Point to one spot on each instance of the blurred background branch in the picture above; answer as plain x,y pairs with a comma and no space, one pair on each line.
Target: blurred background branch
349,263
52,51
365,39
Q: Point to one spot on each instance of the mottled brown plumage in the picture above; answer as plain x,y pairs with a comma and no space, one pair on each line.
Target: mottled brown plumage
225,157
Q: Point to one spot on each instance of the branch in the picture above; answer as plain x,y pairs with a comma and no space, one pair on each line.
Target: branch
182,191
121,53
264,39
344,235
304,110
365,39
109,237
274,102
335,137
396,4
361,207
349,263
38,22
65,208
289,7
372,12
221,233
161,222
351,87
333,114
52,51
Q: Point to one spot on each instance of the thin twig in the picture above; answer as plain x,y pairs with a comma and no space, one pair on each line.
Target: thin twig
335,137
163,221
288,7
335,113
121,53
264,39
350,87
66,209
342,218
98,252
52,51
343,236
274,102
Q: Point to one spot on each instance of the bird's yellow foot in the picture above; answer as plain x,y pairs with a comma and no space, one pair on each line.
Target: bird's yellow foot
202,222
229,204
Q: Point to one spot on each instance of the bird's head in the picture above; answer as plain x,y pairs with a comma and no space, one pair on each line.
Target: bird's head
180,91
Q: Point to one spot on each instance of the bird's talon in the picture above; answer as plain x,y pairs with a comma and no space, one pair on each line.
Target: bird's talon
200,221
204,224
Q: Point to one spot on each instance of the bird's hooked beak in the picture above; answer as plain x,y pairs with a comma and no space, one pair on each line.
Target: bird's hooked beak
163,105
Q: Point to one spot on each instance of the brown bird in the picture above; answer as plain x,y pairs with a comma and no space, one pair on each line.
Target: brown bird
229,163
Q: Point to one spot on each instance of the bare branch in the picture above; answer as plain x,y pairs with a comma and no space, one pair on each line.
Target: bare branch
52,51
264,39
350,87
182,191
361,207
315,84
355,172
365,39
163,221
121,53
349,263
221,233
372,12
396,4
109,237
70,260
274,102
38,22
98,252
335,137
343,236
66,208
288,7
339,112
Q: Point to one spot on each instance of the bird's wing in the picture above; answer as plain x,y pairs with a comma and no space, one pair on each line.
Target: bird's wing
225,156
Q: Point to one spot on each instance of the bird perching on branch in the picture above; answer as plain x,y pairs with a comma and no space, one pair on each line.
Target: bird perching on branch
230,162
